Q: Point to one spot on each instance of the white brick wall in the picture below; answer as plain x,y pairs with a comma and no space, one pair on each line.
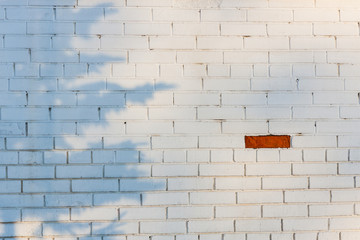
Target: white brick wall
125,119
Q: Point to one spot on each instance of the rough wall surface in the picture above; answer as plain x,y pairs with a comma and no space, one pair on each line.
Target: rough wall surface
125,119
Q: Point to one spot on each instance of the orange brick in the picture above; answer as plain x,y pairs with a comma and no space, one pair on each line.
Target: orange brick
282,141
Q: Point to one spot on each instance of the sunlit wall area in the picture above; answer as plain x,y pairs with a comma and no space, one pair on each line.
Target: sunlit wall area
126,119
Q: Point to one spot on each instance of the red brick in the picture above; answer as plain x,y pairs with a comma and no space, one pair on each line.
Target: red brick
282,141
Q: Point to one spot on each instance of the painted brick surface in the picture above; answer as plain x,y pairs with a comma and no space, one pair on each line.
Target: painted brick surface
126,119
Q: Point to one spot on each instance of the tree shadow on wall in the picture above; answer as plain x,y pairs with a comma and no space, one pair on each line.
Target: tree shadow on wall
86,112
